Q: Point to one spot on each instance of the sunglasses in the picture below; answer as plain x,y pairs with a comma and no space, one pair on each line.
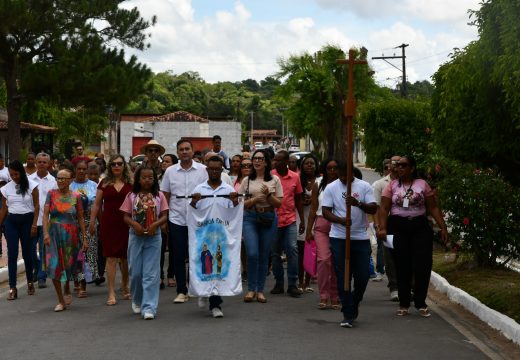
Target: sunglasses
246,166
402,165
153,150
116,164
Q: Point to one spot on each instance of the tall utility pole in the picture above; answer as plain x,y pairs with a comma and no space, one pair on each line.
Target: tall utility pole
404,88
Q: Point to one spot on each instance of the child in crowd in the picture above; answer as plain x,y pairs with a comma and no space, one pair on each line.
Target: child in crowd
145,210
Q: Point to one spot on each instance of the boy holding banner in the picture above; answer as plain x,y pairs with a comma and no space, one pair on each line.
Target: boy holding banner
213,237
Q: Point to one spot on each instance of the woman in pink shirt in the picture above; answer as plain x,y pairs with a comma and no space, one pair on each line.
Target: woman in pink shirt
404,205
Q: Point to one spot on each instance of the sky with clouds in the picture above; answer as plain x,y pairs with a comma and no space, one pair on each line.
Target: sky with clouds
230,40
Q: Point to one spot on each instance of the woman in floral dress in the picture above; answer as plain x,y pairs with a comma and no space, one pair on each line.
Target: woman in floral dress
62,215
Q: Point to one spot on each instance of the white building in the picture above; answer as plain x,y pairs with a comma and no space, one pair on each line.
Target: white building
134,130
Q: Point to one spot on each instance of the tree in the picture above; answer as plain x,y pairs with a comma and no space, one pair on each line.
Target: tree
314,87
61,38
476,103
395,126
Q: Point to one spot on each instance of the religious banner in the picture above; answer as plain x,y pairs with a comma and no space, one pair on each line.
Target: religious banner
214,245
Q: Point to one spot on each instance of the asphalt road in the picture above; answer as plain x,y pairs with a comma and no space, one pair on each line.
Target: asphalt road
284,328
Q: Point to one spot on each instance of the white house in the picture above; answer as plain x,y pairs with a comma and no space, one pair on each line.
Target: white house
135,130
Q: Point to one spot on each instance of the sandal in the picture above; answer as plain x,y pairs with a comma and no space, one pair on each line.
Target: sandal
424,312
323,304
59,307
249,296
68,299
308,289
402,312
111,302
126,293
82,294
336,305
172,282
261,298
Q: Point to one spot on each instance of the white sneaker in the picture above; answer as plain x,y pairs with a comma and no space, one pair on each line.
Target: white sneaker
217,313
136,308
148,316
378,277
203,302
180,299
394,296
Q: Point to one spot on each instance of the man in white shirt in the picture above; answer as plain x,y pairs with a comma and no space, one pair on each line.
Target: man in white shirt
334,207
378,187
4,172
217,148
45,183
178,181
214,186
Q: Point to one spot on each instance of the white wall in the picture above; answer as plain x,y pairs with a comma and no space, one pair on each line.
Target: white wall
168,133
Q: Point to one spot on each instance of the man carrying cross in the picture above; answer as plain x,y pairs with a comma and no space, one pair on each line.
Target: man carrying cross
334,208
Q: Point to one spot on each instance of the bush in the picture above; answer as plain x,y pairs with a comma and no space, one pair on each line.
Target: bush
483,211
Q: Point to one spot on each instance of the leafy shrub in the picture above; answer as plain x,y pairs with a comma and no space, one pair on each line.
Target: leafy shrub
483,211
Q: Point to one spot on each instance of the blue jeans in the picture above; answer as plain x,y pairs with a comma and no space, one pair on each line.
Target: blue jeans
286,240
179,245
258,240
359,255
144,255
18,230
39,258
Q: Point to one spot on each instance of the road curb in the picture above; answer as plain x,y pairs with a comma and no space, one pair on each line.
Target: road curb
507,326
4,274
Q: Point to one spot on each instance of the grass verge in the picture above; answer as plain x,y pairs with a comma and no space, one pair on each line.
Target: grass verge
497,288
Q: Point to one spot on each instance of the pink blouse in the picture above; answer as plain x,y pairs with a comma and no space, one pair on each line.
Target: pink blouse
408,200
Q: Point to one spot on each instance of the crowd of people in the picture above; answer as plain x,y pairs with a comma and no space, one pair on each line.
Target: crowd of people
89,217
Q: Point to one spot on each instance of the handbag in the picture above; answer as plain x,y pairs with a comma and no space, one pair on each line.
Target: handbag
263,220
310,257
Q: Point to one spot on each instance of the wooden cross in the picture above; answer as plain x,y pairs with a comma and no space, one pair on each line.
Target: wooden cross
349,111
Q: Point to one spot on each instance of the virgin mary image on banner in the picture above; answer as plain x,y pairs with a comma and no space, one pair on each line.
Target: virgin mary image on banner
206,260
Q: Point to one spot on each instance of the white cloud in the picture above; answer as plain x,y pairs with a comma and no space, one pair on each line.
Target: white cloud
230,45
428,10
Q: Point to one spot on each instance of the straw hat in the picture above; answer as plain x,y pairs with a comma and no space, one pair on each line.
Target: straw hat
155,144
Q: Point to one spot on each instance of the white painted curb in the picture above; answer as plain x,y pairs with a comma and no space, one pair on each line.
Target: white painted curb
4,274
498,321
